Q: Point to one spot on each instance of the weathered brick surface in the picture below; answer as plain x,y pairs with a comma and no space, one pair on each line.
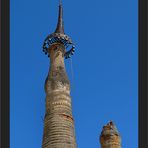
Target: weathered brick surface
58,121
110,137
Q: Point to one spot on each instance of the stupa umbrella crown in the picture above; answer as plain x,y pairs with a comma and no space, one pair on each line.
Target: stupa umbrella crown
59,37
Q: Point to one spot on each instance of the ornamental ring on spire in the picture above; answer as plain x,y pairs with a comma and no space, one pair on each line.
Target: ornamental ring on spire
59,38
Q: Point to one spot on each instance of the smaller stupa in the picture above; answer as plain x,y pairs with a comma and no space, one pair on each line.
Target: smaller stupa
110,137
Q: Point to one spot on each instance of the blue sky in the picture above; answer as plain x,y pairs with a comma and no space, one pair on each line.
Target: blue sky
105,65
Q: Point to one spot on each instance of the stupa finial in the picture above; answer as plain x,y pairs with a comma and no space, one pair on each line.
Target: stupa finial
60,2
60,25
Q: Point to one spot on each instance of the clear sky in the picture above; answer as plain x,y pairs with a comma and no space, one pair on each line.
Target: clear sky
105,68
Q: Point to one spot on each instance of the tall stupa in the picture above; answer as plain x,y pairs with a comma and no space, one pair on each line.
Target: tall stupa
59,129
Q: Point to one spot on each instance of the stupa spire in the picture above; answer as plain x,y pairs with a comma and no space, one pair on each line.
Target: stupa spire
60,24
59,36
60,2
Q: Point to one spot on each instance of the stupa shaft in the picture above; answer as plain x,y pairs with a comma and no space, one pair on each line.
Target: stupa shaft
58,122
